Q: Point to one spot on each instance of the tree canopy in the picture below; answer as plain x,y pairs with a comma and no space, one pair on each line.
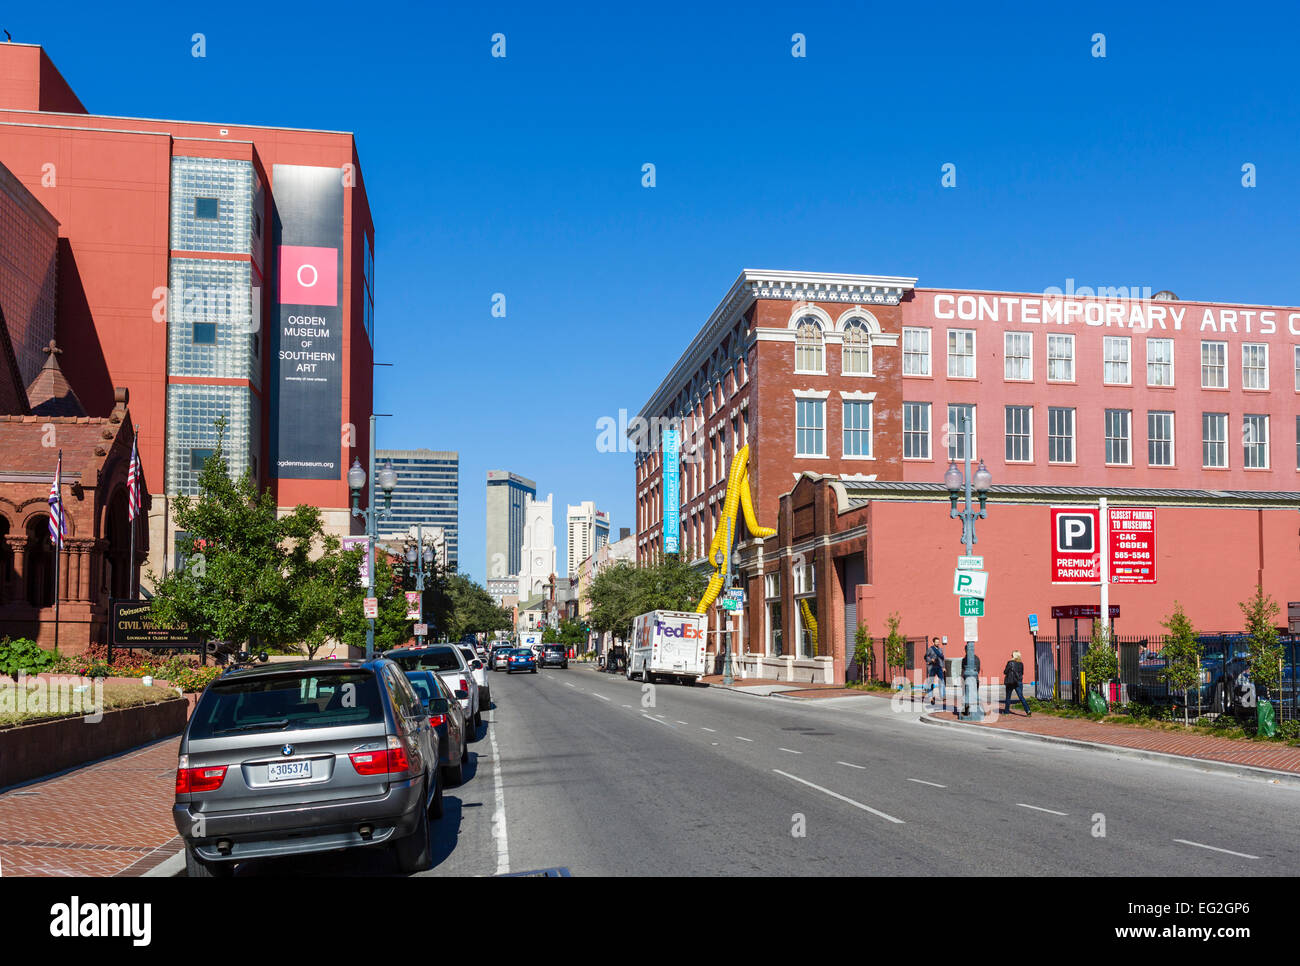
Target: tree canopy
621,591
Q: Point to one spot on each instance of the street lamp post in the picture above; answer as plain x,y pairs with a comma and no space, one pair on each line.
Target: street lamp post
371,515
978,482
420,556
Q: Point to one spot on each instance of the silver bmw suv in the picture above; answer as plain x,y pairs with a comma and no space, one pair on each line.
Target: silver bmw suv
307,756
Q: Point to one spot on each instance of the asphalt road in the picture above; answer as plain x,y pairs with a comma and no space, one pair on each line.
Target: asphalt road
597,775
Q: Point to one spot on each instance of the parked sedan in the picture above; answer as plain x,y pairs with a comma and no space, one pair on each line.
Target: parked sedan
448,720
500,659
554,655
308,756
522,659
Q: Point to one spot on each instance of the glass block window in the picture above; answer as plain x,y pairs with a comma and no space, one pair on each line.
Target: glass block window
210,319
961,420
1160,362
1018,356
1254,440
1254,365
916,353
857,428
1115,350
810,427
1020,434
1160,439
916,430
1214,365
1060,358
961,353
1060,435
1214,440
212,205
192,412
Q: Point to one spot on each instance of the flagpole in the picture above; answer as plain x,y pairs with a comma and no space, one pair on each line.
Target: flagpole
58,545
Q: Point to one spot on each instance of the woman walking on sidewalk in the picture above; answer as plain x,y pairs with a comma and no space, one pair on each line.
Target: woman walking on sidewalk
1013,678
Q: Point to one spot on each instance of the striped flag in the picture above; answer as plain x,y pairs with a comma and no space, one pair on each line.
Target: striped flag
58,522
133,484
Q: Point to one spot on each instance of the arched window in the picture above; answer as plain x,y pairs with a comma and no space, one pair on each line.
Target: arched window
857,348
808,346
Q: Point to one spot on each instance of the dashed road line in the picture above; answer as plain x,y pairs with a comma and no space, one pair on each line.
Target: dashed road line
740,738
921,781
1215,848
680,721
1050,811
849,764
842,798
711,730
656,720
791,750
601,696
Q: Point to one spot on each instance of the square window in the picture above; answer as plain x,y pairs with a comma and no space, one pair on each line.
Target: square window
198,457
205,333
205,209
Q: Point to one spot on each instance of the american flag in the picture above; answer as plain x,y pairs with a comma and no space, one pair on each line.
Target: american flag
133,485
58,522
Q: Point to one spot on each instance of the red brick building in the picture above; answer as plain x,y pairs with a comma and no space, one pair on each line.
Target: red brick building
853,385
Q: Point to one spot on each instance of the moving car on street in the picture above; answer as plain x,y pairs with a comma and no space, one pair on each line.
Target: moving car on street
522,659
500,658
450,665
307,756
447,720
554,655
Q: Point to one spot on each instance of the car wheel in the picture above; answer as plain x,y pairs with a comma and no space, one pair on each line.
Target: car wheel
534,670
464,752
646,676
412,852
196,868
628,673
455,774
478,720
435,808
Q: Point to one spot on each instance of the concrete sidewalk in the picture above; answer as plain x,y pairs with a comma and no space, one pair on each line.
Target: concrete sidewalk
109,818
1235,755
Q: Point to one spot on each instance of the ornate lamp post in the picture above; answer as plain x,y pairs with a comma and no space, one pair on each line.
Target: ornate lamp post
979,482
419,556
371,515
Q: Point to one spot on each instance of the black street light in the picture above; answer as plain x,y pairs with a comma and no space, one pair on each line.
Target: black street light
976,484
371,515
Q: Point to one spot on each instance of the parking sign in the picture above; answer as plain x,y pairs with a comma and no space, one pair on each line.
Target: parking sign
1075,552
970,583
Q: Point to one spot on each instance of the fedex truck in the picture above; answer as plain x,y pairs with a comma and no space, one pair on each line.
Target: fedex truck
667,644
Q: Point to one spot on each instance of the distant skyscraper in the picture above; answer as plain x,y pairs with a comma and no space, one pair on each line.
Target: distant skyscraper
507,494
537,555
588,532
428,492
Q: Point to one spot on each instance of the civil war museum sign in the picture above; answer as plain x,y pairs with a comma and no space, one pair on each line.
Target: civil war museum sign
307,371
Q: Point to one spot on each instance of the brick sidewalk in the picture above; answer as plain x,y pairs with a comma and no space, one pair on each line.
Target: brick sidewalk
1234,751
106,819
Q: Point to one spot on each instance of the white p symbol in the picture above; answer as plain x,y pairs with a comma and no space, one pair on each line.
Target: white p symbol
1074,529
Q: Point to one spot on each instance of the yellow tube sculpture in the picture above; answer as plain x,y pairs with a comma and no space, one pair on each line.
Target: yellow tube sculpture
809,621
738,495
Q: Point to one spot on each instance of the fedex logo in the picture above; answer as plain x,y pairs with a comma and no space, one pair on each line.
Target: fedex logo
685,630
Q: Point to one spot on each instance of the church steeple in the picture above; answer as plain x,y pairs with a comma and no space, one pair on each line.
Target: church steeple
50,394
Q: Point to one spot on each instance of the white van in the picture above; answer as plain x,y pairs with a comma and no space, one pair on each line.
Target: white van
667,644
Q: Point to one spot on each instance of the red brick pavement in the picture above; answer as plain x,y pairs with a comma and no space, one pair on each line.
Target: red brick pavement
1236,751
109,818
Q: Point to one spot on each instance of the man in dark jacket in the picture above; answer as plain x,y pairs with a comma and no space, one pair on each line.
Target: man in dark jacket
935,668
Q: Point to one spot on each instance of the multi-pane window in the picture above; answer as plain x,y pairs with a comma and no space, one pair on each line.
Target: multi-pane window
961,353
1018,354
1060,434
1160,362
1254,365
961,422
1297,442
1297,368
1214,365
1160,439
1117,436
1115,355
916,430
1254,439
916,353
1214,440
1020,434
810,427
857,428
808,346
1060,358
857,349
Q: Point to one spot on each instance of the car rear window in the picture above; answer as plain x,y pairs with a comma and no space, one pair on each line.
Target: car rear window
441,660
523,652
287,702
423,688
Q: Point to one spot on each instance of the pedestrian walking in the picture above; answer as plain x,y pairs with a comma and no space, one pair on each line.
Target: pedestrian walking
1013,679
936,672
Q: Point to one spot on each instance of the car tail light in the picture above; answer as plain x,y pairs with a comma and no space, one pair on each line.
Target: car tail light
393,760
437,720
191,780
464,685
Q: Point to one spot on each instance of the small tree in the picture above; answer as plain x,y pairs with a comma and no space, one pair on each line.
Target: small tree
862,651
1265,655
895,643
1099,663
1182,655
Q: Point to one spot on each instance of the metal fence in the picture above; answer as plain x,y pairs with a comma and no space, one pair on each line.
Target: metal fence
1224,687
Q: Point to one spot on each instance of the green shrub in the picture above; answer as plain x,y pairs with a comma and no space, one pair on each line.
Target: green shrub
24,656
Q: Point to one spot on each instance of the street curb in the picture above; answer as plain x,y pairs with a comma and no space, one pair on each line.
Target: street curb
1199,764
172,866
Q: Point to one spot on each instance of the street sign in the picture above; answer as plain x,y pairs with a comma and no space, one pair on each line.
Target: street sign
421,630
970,583
1033,623
1078,611
1132,544
737,593
972,628
372,607
730,603
972,606
413,609
970,563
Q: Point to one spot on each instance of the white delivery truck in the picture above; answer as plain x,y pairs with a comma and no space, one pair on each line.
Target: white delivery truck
667,644
530,638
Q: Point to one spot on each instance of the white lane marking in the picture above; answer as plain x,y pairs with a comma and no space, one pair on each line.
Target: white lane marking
656,720
842,798
629,707
739,738
1050,811
849,764
568,685
499,816
715,730
921,781
679,721
791,750
1215,848
603,698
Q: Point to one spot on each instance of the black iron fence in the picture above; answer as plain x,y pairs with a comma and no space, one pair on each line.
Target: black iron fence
1224,688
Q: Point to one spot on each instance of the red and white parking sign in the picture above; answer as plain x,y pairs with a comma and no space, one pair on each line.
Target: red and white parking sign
1076,554
1132,545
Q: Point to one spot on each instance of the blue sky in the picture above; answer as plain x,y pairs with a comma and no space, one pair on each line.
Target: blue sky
522,175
